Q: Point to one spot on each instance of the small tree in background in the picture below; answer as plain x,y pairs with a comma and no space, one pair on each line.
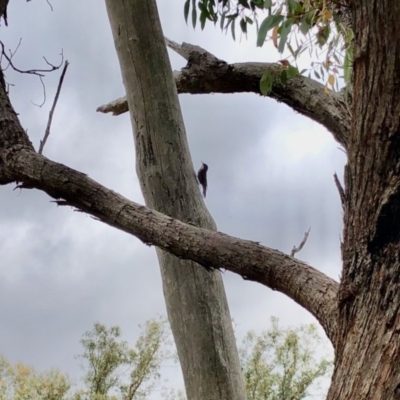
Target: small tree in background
20,382
111,365
105,353
279,364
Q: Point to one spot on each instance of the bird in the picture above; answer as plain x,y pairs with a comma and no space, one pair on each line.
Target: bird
202,177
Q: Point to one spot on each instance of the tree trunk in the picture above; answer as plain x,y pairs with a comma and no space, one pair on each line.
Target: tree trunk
196,302
368,346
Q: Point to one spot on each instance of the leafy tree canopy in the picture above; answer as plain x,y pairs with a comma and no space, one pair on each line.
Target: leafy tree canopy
279,364
295,27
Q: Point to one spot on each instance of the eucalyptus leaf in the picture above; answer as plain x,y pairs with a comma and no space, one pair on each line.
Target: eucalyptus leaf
233,30
269,22
285,30
243,25
186,9
292,71
284,76
266,82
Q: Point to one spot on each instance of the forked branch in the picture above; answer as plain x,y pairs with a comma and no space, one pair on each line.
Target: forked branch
53,107
297,249
205,73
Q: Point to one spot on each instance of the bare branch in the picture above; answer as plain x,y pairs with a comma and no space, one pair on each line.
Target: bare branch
44,93
51,7
12,53
303,242
47,132
48,2
61,202
181,49
307,286
38,72
116,107
340,189
205,73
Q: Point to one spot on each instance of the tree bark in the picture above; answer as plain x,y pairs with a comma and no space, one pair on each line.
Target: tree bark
368,346
196,302
206,74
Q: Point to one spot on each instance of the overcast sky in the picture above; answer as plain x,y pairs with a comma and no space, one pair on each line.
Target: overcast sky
270,179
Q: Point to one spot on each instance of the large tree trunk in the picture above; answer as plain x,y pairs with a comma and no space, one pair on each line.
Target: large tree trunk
368,347
196,302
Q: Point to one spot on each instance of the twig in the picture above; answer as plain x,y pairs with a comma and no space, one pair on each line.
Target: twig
340,189
61,202
47,132
303,242
51,7
48,2
38,72
12,54
44,94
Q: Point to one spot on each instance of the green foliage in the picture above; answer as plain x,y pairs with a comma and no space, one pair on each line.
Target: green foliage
280,364
113,370
270,22
105,353
151,352
277,74
293,26
267,81
112,365
22,382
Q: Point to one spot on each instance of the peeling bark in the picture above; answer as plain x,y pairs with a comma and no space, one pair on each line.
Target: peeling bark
205,73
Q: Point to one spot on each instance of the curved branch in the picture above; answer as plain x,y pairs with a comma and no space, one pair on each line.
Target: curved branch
205,73
307,286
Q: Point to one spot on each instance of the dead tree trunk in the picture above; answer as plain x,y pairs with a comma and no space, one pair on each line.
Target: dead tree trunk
196,302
